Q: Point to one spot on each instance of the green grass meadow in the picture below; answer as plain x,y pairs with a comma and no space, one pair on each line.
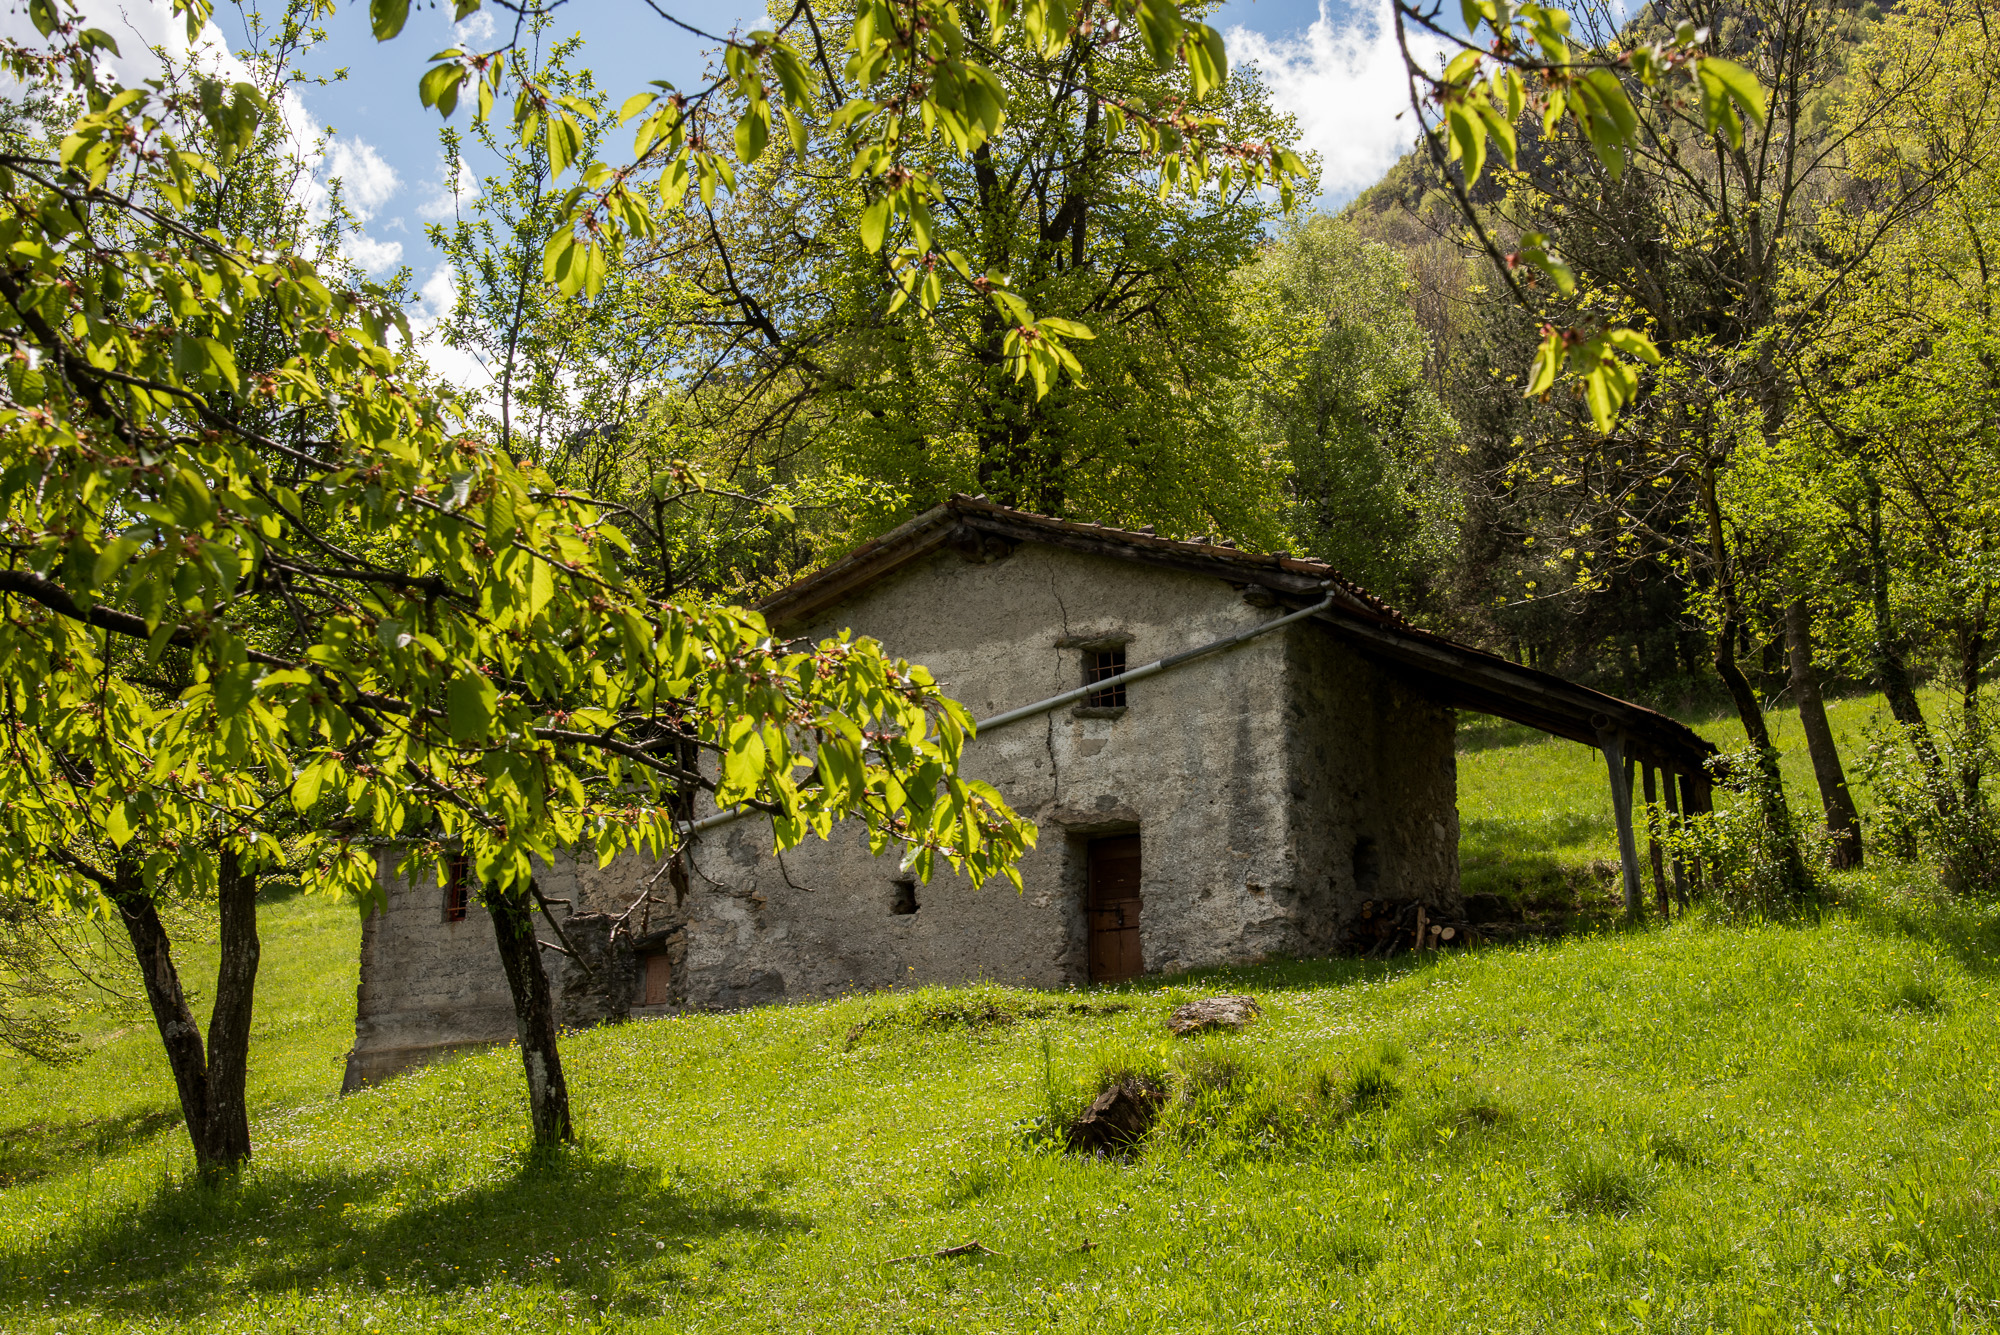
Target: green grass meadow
1685,1128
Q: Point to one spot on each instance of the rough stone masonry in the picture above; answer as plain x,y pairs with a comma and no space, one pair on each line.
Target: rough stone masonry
1264,794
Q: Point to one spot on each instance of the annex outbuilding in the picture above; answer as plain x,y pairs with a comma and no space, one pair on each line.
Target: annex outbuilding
1228,754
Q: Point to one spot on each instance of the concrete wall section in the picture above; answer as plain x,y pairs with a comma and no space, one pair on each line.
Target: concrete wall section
1375,786
428,987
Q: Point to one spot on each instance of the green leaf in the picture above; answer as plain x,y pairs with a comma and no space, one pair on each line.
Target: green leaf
875,222
1055,324
1468,140
751,133
222,362
541,586
387,17
470,704
1498,127
1549,357
232,689
564,140
440,87
1208,62
499,516
1726,89
113,558
1160,25
1634,344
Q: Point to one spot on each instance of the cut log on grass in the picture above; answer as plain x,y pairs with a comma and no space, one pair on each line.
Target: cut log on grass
1119,1117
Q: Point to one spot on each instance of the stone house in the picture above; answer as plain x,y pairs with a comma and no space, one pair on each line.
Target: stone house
1227,753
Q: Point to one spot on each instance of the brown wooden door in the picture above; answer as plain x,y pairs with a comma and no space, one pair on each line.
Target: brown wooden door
1113,909
658,980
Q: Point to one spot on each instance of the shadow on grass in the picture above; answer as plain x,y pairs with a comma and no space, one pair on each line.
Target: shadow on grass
1532,862
612,1231
31,1151
1484,732
1967,930
1277,975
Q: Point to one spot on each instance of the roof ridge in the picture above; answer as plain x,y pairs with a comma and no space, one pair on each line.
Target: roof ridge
1299,565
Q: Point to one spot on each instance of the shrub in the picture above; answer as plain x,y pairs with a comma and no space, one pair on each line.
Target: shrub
1749,845
1931,800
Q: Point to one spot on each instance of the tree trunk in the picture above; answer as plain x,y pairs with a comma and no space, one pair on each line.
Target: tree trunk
211,1081
1892,664
229,1025
1771,783
1842,821
179,1034
534,1013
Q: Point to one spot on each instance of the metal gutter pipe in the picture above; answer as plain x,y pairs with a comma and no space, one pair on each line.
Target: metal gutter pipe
1152,669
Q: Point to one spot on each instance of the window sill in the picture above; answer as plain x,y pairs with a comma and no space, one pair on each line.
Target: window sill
1098,711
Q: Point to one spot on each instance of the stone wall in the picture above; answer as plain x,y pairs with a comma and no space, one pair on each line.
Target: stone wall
1375,776
1248,776
1274,787
431,987
428,987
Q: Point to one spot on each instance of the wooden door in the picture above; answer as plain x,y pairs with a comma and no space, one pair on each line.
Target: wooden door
658,980
1113,909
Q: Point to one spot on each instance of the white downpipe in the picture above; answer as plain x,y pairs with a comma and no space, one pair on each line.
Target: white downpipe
1152,669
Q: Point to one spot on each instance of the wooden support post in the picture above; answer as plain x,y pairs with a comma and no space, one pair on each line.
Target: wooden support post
1694,801
1672,784
1653,840
1612,743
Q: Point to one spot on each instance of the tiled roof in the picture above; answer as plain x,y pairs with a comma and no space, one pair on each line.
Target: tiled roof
1460,675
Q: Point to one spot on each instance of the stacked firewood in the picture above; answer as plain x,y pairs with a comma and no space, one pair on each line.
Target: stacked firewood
1389,927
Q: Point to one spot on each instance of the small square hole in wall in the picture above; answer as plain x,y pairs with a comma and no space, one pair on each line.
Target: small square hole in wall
457,888
903,898
1105,665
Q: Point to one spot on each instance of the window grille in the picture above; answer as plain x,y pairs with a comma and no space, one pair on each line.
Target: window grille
1105,665
457,889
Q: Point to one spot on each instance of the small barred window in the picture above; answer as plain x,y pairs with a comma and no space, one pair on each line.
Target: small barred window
1105,665
457,889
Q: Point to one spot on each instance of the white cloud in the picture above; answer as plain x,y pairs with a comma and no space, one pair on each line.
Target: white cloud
367,182
142,29
147,30
372,255
475,31
1345,82
434,302
445,200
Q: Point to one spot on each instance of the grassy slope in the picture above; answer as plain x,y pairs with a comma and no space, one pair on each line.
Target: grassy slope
1687,1129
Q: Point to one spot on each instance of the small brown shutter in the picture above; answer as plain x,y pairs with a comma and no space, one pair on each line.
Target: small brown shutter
1113,909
